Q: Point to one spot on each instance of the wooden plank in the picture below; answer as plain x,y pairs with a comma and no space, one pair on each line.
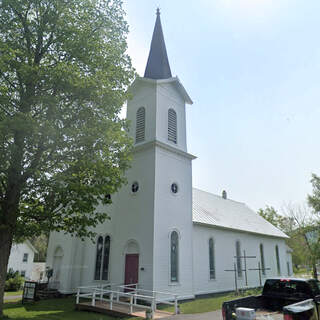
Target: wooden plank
118,310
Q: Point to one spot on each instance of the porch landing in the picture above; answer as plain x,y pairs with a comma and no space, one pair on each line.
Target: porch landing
120,310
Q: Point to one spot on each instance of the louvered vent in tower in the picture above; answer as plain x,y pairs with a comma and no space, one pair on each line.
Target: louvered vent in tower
140,125
172,126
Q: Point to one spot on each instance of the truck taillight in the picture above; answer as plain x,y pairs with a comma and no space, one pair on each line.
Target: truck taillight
287,317
223,313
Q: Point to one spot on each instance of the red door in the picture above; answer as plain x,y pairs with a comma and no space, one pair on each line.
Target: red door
132,269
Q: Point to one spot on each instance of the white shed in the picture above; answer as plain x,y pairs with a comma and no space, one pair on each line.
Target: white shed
21,258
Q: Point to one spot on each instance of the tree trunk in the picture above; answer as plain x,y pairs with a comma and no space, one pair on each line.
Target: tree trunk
314,270
5,247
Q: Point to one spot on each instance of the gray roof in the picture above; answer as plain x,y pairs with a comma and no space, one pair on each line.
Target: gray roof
213,210
158,64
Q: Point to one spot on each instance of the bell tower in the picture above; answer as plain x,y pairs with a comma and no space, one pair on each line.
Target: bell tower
157,114
160,99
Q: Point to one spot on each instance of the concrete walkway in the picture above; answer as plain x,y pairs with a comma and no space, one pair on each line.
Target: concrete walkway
214,315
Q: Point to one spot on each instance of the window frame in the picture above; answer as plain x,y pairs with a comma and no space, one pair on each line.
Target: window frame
177,259
239,259
262,260
172,126
135,182
278,260
106,258
212,262
103,256
177,190
140,125
25,257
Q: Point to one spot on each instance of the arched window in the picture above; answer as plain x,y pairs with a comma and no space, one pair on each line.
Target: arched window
278,260
140,124
106,254
262,259
97,273
174,256
238,254
172,126
102,258
57,263
211,260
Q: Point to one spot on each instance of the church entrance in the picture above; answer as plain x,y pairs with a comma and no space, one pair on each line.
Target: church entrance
56,265
131,269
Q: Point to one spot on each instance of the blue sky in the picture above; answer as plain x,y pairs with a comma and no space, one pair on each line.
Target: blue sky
252,68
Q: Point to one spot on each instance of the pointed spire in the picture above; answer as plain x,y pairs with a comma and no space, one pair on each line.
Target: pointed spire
158,64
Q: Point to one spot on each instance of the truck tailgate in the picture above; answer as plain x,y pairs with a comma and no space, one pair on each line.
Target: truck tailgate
267,315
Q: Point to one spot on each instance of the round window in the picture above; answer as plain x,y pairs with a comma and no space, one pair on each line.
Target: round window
135,187
174,188
108,197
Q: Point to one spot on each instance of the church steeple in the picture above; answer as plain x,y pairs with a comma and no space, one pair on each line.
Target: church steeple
158,64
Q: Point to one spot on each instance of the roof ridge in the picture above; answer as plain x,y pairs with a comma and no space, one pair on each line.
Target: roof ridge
228,199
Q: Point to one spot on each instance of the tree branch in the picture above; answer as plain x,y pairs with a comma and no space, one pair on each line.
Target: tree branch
6,79
25,26
6,111
34,164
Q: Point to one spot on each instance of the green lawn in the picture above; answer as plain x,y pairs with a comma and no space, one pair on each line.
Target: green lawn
64,308
302,272
201,305
55,309
13,293
208,304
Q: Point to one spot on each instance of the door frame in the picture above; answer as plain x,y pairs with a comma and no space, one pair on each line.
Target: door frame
125,265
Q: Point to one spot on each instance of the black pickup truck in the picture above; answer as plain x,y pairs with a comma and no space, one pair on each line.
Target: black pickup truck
288,299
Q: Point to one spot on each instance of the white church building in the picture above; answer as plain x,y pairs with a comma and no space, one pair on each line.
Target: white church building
163,233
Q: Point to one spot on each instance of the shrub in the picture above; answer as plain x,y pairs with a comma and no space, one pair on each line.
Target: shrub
11,274
14,283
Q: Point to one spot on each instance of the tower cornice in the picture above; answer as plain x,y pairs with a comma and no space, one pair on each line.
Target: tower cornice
174,80
157,143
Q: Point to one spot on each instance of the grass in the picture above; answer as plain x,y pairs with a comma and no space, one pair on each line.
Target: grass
302,271
208,304
64,308
201,305
54,309
13,293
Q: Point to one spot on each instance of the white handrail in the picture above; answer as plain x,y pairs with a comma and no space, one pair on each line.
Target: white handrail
99,292
131,303
78,296
127,294
111,300
93,303
128,286
102,285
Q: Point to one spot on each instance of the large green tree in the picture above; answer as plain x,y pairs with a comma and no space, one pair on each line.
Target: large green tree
314,203
298,223
314,198
283,223
63,79
40,242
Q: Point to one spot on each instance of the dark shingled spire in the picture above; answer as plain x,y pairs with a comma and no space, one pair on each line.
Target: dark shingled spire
158,64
